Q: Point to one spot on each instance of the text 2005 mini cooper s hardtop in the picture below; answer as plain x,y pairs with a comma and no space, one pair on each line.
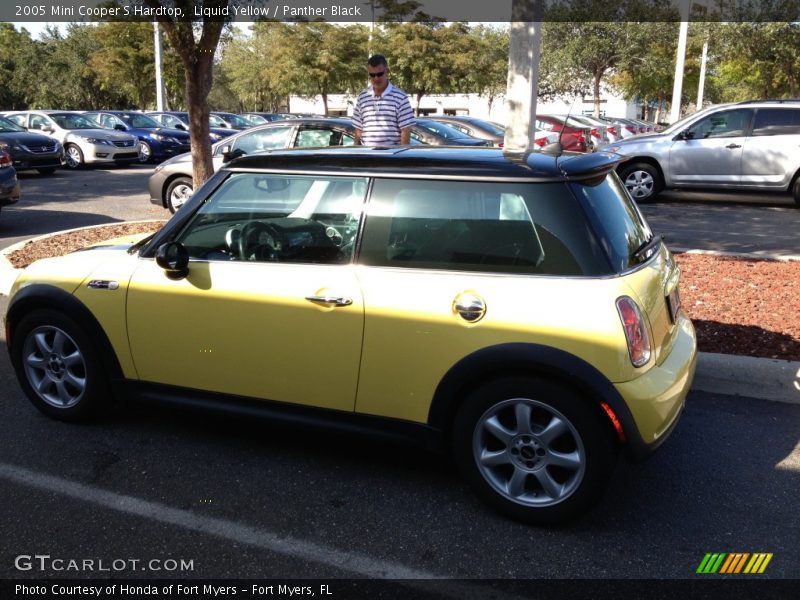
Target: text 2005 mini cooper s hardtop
515,310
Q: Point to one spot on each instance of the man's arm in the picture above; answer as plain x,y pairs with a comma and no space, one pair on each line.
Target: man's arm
405,136
358,137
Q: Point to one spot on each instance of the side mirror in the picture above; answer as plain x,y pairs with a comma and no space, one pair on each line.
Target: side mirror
120,127
174,259
228,155
180,126
685,135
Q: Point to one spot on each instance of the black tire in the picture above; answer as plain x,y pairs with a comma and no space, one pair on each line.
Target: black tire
642,180
796,191
555,459
47,171
145,152
177,190
74,156
58,366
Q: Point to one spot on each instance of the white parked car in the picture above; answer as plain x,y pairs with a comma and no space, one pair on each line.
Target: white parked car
85,141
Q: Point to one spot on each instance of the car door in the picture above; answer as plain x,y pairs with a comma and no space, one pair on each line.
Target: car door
271,308
771,154
710,150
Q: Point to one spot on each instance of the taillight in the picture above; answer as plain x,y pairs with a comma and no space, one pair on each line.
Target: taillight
642,129
5,159
612,130
630,128
541,142
635,331
596,133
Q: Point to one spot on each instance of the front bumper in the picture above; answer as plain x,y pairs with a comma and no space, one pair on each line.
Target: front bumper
657,397
104,153
155,186
31,161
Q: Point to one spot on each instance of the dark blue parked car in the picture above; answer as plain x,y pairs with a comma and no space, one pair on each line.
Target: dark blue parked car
156,142
9,186
180,120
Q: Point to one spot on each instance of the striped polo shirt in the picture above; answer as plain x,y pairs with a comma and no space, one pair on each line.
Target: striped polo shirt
381,119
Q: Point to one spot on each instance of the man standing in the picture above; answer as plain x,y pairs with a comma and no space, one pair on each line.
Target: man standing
383,115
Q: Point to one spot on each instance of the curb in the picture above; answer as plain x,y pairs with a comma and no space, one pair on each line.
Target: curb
729,374
763,378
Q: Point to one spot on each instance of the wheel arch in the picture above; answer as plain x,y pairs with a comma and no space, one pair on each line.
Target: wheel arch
550,363
650,160
42,296
168,182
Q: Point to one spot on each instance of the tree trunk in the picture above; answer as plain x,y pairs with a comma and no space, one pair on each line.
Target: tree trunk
198,58
325,103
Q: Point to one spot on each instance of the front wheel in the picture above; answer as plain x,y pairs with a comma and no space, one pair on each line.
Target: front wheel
796,191
178,193
145,152
58,366
533,450
642,180
74,156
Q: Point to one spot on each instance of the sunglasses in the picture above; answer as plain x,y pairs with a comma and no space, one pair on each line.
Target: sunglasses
381,74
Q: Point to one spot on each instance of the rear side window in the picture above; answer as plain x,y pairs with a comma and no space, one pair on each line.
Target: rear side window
776,121
620,226
522,228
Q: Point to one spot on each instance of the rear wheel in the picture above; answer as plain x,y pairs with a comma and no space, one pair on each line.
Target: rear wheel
74,156
796,191
533,450
58,366
642,180
178,192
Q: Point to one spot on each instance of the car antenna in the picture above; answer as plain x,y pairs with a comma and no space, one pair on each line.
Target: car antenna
557,149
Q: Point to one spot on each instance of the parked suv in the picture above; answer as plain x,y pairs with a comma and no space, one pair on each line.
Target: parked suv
516,311
84,140
746,146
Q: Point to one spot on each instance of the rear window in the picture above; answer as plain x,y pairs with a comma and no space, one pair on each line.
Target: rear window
522,228
620,226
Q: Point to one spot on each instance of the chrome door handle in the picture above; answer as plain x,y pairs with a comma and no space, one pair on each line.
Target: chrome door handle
334,300
732,146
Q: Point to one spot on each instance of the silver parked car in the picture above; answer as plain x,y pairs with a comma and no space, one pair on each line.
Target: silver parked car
171,183
752,145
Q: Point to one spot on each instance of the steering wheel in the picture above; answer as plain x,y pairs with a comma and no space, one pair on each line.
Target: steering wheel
259,241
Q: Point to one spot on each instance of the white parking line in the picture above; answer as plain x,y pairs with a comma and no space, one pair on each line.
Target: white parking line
245,534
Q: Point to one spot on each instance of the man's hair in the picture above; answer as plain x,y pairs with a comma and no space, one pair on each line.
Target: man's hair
376,60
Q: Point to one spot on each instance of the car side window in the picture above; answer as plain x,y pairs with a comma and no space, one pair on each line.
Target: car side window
730,123
278,218
475,226
263,139
39,122
776,121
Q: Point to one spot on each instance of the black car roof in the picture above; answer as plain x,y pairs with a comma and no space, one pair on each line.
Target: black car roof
445,162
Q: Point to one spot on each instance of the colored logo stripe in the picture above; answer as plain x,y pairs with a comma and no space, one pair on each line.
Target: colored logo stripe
723,563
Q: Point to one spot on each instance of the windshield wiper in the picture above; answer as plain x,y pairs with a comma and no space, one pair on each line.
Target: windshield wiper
643,252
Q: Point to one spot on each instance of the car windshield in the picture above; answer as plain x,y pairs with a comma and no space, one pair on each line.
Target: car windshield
441,129
70,121
682,122
495,128
140,121
215,121
237,121
7,126
256,119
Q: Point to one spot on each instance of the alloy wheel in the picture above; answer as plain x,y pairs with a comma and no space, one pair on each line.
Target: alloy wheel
54,366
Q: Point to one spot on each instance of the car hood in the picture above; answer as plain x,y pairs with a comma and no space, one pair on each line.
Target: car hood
24,137
637,142
109,134
178,134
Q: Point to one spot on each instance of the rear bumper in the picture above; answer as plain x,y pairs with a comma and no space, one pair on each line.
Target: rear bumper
656,398
9,190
